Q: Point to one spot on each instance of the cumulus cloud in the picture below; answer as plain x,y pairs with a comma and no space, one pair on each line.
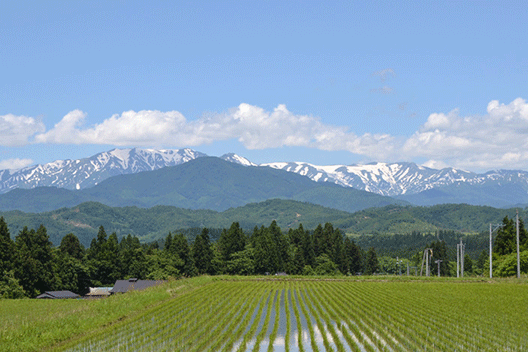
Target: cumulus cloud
252,126
18,130
494,140
13,164
497,139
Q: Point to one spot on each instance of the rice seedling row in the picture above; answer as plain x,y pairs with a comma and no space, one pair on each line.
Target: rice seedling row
320,326
136,329
438,320
323,316
392,313
264,328
256,320
231,321
244,325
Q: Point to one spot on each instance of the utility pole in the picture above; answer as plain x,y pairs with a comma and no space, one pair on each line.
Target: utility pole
518,253
491,259
427,263
426,260
458,260
438,262
497,226
461,258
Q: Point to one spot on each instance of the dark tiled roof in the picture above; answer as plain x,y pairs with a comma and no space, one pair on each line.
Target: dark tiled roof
122,286
58,294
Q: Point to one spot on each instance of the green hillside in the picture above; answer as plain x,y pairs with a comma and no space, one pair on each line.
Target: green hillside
203,183
496,194
396,219
156,222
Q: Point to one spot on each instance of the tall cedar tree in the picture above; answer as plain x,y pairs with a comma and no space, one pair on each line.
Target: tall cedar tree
296,240
352,257
103,258
231,241
180,248
265,251
280,247
371,263
203,253
506,241
71,245
7,247
34,261
132,258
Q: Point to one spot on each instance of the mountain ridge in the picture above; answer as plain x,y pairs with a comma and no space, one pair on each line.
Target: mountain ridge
403,180
201,183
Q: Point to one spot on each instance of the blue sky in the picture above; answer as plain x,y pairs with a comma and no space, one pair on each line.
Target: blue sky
437,83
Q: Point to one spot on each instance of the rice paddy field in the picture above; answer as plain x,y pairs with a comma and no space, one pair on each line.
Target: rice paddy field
293,314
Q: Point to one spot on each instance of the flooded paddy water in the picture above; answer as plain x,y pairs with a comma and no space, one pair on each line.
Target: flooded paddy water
301,316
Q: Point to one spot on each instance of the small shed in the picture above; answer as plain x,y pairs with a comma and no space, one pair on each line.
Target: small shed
98,292
122,286
58,295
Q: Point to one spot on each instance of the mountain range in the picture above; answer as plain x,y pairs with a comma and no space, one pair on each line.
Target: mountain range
201,183
407,182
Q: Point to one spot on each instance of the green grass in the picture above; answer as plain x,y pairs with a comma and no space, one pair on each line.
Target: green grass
32,325
235,313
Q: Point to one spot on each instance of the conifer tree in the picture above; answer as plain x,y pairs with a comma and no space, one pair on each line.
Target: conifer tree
506,241
34,261
353,256
371,264
180,249
7,247
203,253
71,245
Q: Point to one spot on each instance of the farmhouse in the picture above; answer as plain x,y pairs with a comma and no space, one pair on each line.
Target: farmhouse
58,295
122,286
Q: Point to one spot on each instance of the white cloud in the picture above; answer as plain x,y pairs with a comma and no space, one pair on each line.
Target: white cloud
13,164
18,130
253,126
497,139
435,164
130,128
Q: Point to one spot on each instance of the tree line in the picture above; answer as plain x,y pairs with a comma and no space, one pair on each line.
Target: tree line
30,264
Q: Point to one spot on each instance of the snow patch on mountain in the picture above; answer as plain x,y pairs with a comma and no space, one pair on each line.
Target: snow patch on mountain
393,179
237,159
388,179
87,172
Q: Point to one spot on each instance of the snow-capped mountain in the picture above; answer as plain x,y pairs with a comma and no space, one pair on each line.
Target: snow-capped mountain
237,159
87,172
396,179
409,181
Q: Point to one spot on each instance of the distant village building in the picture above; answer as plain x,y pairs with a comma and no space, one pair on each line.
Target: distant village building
58,295
98,292
122,286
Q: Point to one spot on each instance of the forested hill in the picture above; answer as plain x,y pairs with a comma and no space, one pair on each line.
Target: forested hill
156,222
203,183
